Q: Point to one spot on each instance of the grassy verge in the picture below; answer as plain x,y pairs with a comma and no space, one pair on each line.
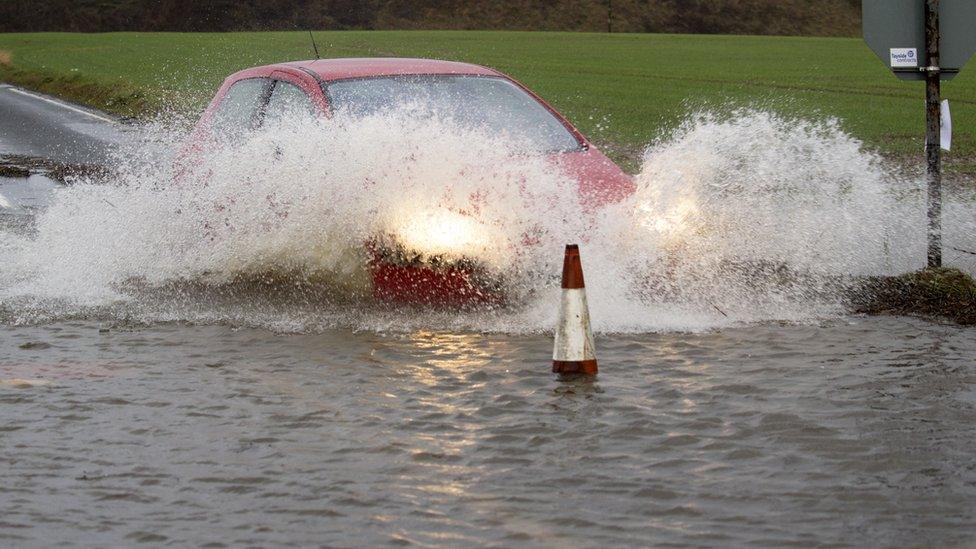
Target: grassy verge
946,292
124,100
622,89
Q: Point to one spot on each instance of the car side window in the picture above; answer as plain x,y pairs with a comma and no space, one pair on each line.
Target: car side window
238,111
288,101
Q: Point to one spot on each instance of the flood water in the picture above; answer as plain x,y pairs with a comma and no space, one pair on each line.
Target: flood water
172,373
852,432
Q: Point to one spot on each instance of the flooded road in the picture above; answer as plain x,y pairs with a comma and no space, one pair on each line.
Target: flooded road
852,432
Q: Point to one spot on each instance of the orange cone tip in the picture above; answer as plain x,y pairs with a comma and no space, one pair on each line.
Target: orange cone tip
573,351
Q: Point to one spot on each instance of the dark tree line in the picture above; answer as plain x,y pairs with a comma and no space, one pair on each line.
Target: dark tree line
808,17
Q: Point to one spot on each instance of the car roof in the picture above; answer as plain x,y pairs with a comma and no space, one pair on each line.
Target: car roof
338,69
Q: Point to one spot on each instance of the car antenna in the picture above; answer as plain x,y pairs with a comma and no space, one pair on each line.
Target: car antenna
314,47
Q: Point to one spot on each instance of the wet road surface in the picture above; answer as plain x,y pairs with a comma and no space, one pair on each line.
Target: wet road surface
32,124
851,433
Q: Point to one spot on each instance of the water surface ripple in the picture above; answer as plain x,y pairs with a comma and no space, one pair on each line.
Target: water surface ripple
854,432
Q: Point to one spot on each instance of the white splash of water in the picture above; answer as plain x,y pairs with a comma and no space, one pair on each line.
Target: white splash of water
748,217
762,217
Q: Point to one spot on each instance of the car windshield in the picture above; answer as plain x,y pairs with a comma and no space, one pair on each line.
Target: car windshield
493,104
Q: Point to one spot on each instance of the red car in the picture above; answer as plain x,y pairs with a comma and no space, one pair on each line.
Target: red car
478,94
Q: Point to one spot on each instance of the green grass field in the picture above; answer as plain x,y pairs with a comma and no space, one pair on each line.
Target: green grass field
627,89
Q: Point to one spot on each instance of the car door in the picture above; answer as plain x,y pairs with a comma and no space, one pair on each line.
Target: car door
239,107
240,110
288,105
232,114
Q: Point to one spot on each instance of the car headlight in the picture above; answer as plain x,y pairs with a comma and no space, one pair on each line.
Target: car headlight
672,224
444,233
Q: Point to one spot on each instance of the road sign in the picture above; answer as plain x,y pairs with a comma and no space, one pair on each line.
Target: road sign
927,40
895,31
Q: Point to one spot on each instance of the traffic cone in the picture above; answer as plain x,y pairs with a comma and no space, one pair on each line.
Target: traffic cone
573,352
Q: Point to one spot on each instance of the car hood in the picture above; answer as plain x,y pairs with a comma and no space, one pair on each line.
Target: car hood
601,181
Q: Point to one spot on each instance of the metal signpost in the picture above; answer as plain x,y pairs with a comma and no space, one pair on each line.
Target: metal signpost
939,32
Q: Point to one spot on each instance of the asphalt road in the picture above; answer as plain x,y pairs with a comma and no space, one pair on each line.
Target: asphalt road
32,124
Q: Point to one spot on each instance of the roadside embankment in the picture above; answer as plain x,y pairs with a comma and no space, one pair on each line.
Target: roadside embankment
939,292
120,99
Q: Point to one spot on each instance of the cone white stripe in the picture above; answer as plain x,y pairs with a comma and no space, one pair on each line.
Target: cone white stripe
574,338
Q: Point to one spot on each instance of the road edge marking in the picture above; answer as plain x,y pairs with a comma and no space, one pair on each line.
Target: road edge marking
63,105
